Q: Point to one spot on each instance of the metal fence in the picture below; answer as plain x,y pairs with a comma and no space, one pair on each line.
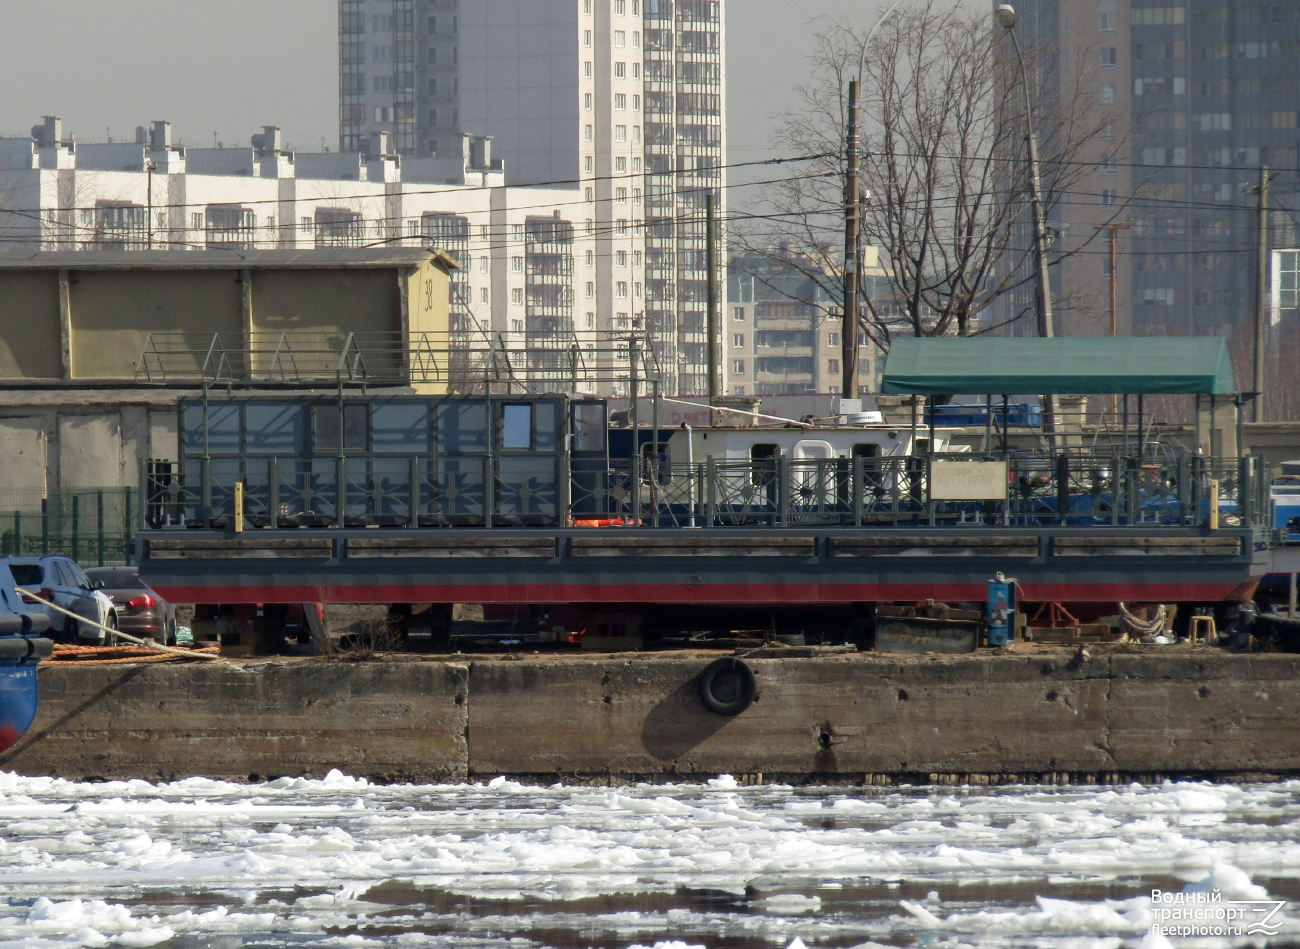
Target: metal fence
95,527
1069,488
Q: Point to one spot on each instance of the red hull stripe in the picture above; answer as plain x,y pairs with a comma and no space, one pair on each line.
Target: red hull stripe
751,595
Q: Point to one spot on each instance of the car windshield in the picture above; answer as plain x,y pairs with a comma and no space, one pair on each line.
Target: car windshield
27,574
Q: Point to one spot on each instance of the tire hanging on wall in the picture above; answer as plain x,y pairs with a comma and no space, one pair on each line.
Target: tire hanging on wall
727,686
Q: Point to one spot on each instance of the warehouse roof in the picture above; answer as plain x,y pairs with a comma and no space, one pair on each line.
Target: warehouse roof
987,365
226,259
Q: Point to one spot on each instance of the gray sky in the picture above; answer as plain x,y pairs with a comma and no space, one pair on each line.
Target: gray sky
229,66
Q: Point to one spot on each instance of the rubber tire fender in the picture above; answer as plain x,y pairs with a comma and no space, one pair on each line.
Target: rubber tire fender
734,700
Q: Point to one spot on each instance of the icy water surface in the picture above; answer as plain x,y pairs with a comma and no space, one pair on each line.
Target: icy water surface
340,862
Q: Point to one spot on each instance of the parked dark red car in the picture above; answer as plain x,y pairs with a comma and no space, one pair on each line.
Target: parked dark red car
140,611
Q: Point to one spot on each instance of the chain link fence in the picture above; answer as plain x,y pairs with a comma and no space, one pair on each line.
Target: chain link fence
95,526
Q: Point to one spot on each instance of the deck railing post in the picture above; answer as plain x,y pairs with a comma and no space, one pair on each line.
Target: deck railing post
273,492
1062,487
414,490
710,491
634,494
341,491
489,490
859,490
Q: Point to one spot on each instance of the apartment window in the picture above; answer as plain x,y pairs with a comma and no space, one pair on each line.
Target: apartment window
620,38
591,321
636,103
586,70
1163,296
587,164
483,265
636,166
1108,23
832,339
516,265
620,289
586,7
636,290
591,290
636,39
636,133
636,258
586,37
620,70
620,7
587,133
620,133
586,101
1108,196
305,224
738,313
383,113
483,295
588,194
636,70
1108,130
620,227
738,366
636,195
433,26
1109,57
516,295
433,85
620,164
738,340
516,326
620,258
1108,166
591,258
196,220
590,226
620,100
620,195
484,232
1107,92
433,118
832,365
516,232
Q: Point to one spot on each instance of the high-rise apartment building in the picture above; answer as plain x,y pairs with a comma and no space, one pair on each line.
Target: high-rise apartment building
619,98
1204,93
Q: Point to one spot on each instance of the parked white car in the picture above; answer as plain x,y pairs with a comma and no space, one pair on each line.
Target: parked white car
62,582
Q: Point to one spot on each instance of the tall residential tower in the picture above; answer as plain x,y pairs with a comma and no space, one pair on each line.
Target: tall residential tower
620,98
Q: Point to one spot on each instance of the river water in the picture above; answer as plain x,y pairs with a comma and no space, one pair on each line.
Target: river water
341,862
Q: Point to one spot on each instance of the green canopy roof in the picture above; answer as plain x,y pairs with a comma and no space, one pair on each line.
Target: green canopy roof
989,365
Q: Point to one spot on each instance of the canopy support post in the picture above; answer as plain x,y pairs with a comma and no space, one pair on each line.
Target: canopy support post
1125,424
1005,399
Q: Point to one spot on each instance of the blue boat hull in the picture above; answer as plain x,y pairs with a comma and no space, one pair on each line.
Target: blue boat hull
18,694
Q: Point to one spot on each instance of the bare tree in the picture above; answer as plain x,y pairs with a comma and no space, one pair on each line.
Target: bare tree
944,163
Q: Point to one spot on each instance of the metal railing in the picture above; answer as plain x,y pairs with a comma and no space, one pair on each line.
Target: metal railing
1063,489
94,527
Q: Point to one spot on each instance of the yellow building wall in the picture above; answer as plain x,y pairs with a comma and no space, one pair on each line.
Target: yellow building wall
428,312
30,346
114,312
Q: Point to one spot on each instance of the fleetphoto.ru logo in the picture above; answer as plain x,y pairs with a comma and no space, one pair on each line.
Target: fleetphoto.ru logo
1209,914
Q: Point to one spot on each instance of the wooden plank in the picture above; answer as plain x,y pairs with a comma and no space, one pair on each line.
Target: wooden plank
242,548
680,546
1146,546
440,548
905,546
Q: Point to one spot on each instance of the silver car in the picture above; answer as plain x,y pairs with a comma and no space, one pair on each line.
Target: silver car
60,581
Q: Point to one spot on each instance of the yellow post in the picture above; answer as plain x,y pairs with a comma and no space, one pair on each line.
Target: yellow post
239,507
1214,505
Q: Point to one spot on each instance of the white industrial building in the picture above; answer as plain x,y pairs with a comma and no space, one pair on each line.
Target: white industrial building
537,277
621,100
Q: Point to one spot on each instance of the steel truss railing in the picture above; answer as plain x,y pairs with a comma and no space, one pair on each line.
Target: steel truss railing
501,490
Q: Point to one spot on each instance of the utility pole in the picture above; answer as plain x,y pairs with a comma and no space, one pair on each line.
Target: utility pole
1111,229
852,225
1261,293
711,260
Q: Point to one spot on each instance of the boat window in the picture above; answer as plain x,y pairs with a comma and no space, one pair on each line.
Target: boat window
517,426
763,462
223,428
545,423
401,426
275,428
655,461
462,426
589,426
866,450
326,434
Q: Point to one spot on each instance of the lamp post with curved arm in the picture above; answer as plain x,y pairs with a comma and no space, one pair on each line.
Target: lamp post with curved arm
853,226
1006,16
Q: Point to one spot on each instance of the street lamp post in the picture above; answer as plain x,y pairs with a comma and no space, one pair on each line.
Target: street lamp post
1006,16
853,226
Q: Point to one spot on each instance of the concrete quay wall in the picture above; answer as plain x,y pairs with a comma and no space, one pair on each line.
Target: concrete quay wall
872,719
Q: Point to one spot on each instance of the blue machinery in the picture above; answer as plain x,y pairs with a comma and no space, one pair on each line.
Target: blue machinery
1001,617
